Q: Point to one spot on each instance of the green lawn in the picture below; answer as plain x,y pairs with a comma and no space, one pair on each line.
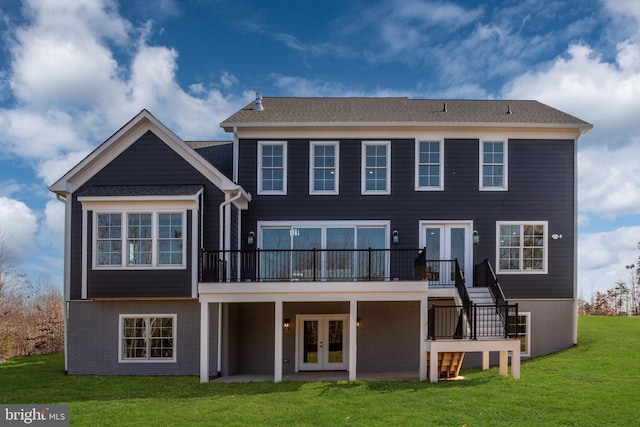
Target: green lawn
594,384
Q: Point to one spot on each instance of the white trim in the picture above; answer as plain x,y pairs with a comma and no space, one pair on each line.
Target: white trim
154,212
84,254
204,342
505,164
174,337
440,142
194,251
277,352
527,315
422,370
363,168
468,242
261,191
545,269
123,139
353,339
322,364
336,176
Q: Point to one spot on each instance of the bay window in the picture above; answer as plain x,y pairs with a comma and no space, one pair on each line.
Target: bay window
139,239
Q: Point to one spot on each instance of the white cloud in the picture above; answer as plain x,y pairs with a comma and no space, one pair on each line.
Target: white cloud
607,95
51,231
18,225
602,258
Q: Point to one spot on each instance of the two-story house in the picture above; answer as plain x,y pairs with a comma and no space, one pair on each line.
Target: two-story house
343,234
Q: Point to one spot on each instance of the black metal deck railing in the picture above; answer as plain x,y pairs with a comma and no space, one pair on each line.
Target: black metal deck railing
310,265
476,322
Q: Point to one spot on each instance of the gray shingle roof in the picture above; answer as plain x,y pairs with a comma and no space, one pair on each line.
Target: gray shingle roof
400,111
139,190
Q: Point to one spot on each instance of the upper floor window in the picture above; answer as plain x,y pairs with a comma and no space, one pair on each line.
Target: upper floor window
323,167
493,165
376,167
429,165
139,239
272,167
522,247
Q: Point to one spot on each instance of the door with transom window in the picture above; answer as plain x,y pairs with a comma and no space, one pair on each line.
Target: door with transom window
321,342
448,241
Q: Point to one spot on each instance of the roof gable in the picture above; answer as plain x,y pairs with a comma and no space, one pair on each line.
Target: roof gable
126,137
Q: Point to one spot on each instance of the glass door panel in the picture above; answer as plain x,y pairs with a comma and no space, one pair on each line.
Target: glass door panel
306,264
311,344
457,247
322,342
335,344
434,252
274,262
445,242
339,263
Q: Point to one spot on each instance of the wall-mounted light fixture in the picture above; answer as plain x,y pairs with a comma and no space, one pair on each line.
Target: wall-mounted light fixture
476,238
251,238
358,322
286,324
556,236
395,238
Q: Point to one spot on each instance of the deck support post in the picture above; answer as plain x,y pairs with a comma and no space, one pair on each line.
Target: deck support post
353,338
204,342
485,360
423,340
277,351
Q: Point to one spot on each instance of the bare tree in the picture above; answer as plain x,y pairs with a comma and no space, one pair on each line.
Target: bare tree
31,319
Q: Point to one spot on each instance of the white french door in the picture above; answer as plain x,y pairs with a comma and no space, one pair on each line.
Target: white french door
449,241
321,342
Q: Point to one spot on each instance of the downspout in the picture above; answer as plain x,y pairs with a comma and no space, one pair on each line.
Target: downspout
223,205
236,149
221,218
67,284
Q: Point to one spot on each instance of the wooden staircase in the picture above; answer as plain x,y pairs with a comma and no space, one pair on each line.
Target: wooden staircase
449,364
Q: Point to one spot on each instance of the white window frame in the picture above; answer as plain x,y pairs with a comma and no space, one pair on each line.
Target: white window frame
312,168
419,187
545,268
261,190
324,225
148,359
527,341
125,265
363,188
505,164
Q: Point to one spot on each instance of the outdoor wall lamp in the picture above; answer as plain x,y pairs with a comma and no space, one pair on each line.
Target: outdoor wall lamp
286,325
395,238
556,236
251,238
476,238
358,322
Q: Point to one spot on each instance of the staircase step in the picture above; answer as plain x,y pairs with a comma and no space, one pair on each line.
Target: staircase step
449,364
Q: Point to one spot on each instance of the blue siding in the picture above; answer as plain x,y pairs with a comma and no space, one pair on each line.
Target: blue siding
149,161
541,188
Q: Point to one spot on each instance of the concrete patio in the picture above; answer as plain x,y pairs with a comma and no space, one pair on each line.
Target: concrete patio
331,376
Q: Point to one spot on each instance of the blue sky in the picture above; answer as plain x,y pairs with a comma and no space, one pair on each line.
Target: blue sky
74,71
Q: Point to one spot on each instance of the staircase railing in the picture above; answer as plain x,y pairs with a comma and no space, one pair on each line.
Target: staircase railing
485,277
453,322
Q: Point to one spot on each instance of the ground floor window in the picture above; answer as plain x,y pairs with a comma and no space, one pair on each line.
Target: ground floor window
147,338
523,328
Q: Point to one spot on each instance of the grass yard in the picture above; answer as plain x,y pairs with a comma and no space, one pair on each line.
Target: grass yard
596,383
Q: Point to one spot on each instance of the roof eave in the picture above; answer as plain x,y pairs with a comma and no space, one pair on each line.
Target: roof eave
230,126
